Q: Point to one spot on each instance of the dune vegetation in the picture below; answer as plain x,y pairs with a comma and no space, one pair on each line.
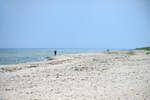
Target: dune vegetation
144,48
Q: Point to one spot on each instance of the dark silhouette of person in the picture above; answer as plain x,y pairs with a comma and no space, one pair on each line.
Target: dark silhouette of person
55,52
107,50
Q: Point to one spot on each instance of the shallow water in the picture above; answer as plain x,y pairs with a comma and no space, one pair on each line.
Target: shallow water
15,56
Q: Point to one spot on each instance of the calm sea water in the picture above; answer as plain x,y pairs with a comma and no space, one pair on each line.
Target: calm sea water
15,56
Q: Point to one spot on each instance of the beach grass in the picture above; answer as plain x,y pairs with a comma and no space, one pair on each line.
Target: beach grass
148,53
144,48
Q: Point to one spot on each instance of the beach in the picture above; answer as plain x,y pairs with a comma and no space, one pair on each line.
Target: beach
106,75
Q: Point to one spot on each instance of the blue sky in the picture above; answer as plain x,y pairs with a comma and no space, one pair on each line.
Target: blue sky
74,23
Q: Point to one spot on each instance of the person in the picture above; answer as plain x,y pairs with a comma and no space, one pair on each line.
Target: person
107,50
55,52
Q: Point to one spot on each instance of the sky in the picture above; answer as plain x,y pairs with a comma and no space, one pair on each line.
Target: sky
74,23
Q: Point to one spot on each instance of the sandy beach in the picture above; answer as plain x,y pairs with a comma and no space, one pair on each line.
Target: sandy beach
114,75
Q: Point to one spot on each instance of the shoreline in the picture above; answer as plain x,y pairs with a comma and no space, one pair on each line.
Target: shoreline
49,57
113,75
29,58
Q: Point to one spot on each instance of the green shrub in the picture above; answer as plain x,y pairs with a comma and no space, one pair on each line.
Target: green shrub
147,53
145,48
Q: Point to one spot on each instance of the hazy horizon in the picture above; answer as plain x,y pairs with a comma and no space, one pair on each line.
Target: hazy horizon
71,48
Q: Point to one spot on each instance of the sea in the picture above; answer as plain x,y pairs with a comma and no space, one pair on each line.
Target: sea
23,55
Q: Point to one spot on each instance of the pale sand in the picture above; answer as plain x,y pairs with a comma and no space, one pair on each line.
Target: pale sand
118,75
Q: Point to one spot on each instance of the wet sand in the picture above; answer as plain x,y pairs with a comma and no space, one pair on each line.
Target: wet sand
114,75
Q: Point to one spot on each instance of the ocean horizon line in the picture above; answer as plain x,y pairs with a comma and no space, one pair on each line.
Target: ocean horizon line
72,48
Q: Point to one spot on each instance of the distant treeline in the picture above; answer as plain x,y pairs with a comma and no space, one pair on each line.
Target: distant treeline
145,48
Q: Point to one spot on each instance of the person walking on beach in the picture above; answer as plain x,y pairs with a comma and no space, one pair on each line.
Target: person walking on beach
55,52
108,50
